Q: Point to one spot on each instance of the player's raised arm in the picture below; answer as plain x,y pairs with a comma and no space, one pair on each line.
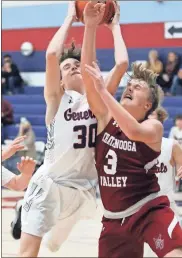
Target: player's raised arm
121,55
149,131
93,14
53,90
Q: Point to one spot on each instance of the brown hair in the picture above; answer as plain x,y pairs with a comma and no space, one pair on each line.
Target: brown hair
144,74
162,114
71,52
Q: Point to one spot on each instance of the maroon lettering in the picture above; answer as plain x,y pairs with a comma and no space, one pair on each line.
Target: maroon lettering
161,167
67,114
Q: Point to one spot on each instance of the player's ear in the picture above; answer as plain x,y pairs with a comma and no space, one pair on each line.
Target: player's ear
148,106
62,85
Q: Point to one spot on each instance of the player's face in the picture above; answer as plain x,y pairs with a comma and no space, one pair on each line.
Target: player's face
136,96
70,72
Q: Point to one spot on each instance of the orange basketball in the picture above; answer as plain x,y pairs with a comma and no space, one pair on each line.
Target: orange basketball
108,15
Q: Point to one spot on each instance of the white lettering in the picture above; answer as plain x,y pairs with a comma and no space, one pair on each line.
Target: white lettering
134,147
129,146
118,181
108,182
119,144
124,181
113,184
106,137
101,180
104,181
113,181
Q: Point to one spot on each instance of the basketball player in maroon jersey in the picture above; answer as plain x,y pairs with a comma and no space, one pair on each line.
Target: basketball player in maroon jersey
55,97
127,148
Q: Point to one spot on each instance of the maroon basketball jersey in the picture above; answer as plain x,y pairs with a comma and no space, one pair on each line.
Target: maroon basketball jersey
126,169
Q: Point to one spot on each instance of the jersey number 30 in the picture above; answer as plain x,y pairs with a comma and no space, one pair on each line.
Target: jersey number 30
85,141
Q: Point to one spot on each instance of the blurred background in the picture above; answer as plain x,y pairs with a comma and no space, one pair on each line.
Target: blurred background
152,31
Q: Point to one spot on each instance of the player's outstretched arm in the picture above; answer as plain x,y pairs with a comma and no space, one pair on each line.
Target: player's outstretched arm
177,157
121,55
93,14
52,90
150,131
15,146
20,182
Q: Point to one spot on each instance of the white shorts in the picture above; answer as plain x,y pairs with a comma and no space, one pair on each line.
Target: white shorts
47,204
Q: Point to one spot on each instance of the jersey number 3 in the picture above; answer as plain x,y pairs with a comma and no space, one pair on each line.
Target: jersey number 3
82,136
112,160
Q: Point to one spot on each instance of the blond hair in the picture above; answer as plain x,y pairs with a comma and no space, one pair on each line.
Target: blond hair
148,76
71,52
162,114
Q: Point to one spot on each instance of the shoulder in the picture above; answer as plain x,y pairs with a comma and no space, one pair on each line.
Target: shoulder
176,145
173,129
177,151
153,123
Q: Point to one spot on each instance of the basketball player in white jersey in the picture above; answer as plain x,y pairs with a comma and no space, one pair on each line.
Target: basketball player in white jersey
63,190
171,157
26,167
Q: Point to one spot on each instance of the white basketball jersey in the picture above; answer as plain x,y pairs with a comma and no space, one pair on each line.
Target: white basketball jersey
69,158
165,170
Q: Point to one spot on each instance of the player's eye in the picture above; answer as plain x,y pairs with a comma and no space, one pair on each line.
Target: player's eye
66,67
138,87
77,64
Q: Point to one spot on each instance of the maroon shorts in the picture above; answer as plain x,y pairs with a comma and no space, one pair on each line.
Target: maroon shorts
155,224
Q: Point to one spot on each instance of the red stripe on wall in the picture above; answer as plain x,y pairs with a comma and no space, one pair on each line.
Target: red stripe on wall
135,35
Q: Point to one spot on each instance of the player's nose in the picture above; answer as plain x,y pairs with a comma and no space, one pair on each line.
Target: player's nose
130,88
73,68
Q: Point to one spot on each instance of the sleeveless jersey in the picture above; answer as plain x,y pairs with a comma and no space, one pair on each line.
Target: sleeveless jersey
126,170
165,171
69,158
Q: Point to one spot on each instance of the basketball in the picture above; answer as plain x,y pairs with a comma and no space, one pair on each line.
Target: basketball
108,15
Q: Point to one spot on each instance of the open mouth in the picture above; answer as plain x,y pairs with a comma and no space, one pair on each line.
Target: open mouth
128,96
75,73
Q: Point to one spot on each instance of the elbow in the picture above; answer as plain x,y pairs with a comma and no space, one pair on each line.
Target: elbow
20,187
17,187
133,134
83,72
50,54
123,65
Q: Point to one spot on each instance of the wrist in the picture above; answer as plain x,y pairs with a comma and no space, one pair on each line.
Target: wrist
115,27
103,90
25,176
92,27
69,20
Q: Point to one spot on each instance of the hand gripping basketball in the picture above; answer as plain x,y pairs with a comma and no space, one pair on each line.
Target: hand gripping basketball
109,11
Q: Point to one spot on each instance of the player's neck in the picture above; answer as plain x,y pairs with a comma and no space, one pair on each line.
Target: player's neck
139,116
78,87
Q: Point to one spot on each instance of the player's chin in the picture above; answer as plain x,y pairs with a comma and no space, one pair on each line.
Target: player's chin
77,76
126,102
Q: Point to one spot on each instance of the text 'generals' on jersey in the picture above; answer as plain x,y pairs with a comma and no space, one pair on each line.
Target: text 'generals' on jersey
119,144
77,116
